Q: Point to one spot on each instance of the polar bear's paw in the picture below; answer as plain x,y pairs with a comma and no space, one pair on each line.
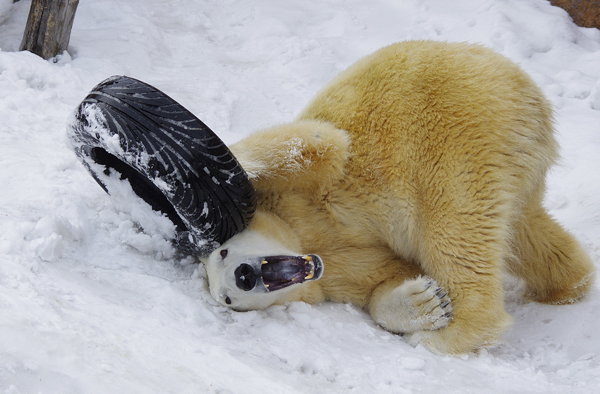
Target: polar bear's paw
416,305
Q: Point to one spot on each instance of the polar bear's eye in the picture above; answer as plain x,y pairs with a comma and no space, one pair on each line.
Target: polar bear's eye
224,253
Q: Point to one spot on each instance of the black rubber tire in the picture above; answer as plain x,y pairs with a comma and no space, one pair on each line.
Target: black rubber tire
171,159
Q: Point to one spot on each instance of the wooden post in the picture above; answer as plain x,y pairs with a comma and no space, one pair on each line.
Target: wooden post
49,26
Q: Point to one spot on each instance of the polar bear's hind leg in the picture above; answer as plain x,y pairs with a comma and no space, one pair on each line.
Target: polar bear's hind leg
552,263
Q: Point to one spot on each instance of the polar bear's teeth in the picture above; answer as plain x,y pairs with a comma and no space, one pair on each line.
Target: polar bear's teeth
264,262
311,274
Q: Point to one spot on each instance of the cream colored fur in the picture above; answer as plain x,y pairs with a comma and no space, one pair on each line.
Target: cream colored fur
422,165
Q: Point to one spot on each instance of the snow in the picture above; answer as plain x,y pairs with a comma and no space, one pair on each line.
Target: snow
89,303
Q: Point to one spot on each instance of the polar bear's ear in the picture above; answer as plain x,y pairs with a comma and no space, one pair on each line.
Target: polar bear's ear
303,153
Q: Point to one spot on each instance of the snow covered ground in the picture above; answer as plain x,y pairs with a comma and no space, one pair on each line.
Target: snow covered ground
91,304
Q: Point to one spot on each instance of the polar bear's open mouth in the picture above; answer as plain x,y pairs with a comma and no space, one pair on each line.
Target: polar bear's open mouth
278,272
282,271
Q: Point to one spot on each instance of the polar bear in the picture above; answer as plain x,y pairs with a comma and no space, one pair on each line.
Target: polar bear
407,187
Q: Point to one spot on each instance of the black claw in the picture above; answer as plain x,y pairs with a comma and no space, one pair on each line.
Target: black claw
448,315
438,291
445,304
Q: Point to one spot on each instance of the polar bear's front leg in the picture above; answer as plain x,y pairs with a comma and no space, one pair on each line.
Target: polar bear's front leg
303,153
415,305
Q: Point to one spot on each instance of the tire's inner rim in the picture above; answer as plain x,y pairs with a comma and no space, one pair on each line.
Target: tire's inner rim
141,185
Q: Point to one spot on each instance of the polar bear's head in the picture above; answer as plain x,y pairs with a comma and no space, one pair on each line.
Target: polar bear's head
257,268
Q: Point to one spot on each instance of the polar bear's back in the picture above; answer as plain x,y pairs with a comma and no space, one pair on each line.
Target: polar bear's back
422,103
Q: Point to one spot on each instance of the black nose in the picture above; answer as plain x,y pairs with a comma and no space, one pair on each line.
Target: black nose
245,278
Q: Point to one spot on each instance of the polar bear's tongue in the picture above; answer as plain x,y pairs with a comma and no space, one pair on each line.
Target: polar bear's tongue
282,271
